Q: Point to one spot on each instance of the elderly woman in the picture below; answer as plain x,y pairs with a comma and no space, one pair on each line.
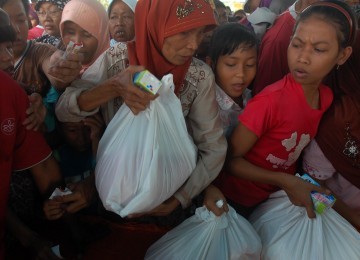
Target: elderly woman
86,22
121,20
49,13
162,46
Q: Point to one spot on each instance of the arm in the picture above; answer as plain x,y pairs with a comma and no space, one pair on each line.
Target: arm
298,190
207,133
100,84
120,85
47,175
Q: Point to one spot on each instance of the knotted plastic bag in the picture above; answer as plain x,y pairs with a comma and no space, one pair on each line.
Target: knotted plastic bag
143,159
206,236
287,233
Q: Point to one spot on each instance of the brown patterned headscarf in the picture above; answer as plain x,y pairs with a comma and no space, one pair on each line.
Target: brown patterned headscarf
339,131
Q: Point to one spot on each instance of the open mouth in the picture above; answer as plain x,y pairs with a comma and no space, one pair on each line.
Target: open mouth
119,34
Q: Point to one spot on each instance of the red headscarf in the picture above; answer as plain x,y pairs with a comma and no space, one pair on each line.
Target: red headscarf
157,19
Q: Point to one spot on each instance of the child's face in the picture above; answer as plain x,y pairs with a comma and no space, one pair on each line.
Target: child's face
77,135
73,32
313,51
6,56
236,71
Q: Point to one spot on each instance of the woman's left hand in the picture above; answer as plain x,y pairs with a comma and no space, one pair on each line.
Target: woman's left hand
35,113
212,196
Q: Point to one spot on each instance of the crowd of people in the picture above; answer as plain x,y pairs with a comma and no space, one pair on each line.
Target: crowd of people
266,92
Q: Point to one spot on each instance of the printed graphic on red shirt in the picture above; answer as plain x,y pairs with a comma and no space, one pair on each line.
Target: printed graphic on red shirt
290,144
8,126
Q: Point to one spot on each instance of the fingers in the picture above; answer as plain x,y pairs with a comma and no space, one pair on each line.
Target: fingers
53,209
72,186
310,211
321,190
75,202
218,211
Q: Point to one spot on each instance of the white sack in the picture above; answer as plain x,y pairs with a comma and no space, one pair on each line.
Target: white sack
142,160
205,236
287,232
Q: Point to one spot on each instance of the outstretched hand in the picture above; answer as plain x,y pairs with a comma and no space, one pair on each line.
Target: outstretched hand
65,70
135,98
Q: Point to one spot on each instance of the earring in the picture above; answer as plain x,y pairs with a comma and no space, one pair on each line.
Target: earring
337,67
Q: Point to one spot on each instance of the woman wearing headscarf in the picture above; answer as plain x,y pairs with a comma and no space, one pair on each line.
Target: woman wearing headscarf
162,46
86,22
49,13
334,156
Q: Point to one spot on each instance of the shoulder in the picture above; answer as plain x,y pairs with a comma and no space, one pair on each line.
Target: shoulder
275,89
10,92
198,72
119,50
43,50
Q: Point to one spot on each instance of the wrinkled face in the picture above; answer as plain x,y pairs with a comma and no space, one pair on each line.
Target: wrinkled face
121,22
19,20
251,5
50,16
75,33
313,51
221,15
6,56
77,135
180,48
235,72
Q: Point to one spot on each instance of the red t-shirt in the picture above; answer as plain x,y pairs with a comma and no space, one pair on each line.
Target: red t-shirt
284,124
19,149
35,32
272,62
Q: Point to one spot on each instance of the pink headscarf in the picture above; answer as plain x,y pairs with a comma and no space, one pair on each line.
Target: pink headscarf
92,17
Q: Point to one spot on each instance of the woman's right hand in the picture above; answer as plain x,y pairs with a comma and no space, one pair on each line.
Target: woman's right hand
53,209
212,195
299,192
135,98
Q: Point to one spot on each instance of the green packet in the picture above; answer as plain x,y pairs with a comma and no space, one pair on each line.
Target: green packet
147,81
321,201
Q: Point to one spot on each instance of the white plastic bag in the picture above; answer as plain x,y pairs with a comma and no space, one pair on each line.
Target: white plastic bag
287,232
142,160
205,236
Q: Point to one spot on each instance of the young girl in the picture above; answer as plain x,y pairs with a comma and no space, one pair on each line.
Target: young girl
233,54
279,122
333,157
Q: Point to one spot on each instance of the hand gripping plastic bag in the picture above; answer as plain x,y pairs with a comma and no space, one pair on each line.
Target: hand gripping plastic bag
287,232
143,159
205,236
